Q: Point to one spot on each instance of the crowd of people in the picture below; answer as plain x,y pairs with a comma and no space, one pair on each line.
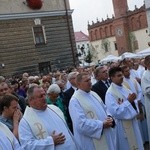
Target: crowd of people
104,107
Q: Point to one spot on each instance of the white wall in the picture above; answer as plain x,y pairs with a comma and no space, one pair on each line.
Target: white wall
101,53
147,3
143,38
80,44
17,6
86,48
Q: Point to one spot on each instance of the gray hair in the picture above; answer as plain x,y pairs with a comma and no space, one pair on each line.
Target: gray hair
30,91
53,88
71,75
2,79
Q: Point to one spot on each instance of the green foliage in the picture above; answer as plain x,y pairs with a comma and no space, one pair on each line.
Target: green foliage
88,57
133,41
105,45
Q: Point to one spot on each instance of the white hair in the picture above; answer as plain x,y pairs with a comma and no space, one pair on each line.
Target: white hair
33,84
53,88
2,79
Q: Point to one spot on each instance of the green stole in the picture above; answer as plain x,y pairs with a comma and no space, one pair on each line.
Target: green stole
90,113
127,124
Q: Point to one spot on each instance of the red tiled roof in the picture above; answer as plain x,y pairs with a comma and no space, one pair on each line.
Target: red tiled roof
80,36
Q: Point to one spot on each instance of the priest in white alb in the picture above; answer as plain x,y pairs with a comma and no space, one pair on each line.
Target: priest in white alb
135,87
120,103
7,139
92,125
43,127
145,82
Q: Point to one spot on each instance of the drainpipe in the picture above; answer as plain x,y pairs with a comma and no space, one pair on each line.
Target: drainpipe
70,35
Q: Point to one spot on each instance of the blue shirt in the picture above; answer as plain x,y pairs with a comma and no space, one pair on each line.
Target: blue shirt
7,122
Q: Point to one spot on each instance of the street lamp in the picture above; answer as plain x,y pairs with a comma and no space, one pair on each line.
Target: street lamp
3,65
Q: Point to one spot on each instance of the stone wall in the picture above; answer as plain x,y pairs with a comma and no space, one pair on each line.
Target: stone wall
19,53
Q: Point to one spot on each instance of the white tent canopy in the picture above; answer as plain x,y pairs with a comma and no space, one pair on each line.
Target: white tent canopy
144,52
110,58
129,55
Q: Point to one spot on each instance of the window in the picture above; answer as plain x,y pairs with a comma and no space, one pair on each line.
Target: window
96,34
91,35
106,47
135,44
44,68
39,35
115,44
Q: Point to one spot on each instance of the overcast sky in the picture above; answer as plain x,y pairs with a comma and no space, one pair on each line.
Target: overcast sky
90,10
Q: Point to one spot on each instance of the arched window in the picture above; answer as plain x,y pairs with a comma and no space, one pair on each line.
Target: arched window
96,34
100,32
91,35
106,32
140,21
111,30
133,23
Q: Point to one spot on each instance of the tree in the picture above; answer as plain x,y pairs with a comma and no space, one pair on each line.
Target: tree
105,45
88,57
133,42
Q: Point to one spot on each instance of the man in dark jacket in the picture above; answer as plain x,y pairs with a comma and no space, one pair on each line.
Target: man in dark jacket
103,82
68,94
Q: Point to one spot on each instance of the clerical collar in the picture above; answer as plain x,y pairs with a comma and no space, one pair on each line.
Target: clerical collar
38,111
119,86
81,91
74,87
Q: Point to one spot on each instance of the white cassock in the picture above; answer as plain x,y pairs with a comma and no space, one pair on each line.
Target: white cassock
134,74
140,71
86,129
145,83
135,87
52,122
93,80
122,110
5,143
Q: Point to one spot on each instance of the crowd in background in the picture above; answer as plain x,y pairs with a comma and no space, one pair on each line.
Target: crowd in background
59,86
